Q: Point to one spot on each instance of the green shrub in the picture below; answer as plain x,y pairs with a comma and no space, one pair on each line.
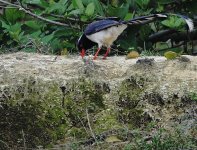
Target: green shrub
21,32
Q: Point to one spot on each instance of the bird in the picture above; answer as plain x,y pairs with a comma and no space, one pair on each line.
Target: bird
104,32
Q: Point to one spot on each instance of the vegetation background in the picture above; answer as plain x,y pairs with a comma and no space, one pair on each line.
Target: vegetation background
53,26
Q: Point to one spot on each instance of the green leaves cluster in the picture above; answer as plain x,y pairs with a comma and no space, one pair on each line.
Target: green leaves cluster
174,22
23,32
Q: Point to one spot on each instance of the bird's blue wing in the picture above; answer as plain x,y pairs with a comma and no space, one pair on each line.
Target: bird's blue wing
100,25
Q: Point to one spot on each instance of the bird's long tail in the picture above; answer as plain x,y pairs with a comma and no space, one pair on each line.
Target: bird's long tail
150,18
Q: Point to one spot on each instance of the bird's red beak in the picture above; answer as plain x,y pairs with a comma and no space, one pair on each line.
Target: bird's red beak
82,53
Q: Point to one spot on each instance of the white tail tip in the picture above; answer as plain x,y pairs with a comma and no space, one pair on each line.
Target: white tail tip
190,24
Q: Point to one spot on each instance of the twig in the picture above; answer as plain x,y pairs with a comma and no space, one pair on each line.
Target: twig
8,3
62,17
4,144
82,124
24,141
8,7
36,16
91,131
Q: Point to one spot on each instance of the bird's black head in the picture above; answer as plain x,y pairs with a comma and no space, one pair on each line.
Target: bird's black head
84,43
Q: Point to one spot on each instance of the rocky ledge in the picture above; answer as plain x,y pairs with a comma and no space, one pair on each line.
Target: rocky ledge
47,100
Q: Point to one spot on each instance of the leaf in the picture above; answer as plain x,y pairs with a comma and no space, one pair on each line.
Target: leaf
13,14
74,12
78,4
143,3
36,34
90,9
15,28
112,139
174,22
145,31
132,55
170,55
84,18
59,7
66,32
160,8
46,39
119,11
34,25
99,7
161,45
55,44
128,16
15,31
4,25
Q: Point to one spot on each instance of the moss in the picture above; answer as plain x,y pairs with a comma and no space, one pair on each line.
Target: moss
81,97
129,97
47,112
78,133
35,110
163,140
106,120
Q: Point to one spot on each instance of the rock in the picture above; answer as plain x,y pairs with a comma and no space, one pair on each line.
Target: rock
116,92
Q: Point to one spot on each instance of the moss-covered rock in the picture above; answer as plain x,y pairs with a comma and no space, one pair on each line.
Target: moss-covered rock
70,104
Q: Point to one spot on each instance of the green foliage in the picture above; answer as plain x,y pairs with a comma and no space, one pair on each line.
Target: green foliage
164,140
143,4
38,113
90,9
41,119
149,53
20,29
13,18
174,23
48,115
193,96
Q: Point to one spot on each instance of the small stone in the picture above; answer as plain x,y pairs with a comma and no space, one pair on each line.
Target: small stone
184,59
146,61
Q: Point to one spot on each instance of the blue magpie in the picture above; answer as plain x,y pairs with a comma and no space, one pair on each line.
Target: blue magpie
105,32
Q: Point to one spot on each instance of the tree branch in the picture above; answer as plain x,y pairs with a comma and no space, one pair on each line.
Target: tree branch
174,35
36,16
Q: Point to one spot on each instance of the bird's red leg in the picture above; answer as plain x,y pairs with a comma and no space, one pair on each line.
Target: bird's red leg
108,50
82,53
97,52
